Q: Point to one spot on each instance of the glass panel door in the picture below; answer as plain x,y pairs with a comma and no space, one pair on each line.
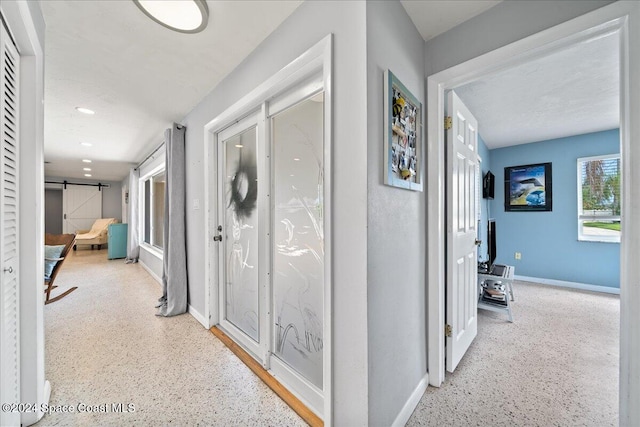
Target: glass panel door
298,238
239,233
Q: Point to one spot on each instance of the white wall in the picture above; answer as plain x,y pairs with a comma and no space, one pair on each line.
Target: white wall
502,24
307,25
396,226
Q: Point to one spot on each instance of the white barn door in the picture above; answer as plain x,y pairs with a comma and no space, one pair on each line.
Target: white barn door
9,289
81,205
462,233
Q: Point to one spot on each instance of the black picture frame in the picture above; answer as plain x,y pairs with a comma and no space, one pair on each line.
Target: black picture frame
528,188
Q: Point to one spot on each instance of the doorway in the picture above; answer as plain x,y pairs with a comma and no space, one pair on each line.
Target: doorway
53,208
269,251
615,17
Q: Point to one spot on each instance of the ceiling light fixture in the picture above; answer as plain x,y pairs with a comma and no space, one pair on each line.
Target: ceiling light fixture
87,174
86,169
85,111
86,161
190,16
86,144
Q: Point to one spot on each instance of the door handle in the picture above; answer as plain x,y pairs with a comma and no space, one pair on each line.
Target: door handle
218,238
9,270
478,242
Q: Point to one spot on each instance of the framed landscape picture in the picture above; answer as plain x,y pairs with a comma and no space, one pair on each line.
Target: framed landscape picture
528,188
403,136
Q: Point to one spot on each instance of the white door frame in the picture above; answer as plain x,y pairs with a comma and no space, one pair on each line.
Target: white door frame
620,16
317,59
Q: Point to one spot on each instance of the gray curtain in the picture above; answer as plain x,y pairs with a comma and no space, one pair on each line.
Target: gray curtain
174,268
133,245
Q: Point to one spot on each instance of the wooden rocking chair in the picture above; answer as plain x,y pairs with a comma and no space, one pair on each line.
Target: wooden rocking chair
53,240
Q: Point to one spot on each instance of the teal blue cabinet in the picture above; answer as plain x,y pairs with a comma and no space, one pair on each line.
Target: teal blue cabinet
117,241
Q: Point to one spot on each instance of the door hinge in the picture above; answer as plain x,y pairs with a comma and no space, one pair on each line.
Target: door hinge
447,123
447,330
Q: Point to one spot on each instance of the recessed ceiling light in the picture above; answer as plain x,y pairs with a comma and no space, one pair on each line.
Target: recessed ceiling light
183,16
239,145
86,144
87,174
85,110
86,161
296,159
86,169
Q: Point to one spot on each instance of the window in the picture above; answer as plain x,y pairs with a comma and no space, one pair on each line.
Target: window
153,230
599,198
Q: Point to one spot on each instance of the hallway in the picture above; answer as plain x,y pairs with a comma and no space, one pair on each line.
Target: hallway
105,345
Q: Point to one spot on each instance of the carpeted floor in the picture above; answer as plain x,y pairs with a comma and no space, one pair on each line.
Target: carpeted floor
557,365
105,345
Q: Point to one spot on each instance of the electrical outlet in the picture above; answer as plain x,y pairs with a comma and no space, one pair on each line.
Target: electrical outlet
518,255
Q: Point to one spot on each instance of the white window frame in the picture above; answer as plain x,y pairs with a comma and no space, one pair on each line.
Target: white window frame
158,251
582,217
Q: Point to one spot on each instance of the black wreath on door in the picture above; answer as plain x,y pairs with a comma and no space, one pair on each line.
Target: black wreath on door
244,188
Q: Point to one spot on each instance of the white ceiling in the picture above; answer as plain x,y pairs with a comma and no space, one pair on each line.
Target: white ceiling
140,77
433,18
137,76
570,92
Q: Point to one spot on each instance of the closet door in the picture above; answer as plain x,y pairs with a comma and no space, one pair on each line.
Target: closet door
240,234
298,247
9,290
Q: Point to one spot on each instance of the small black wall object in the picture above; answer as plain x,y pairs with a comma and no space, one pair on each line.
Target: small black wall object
488,186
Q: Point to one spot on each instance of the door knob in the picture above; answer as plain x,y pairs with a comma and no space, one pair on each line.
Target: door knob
478,242
217,238
9,270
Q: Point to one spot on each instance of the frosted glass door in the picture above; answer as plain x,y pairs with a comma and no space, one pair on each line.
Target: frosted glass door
298,238
240,232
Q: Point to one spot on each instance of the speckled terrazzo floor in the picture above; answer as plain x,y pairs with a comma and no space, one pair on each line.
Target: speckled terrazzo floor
557,365
105,345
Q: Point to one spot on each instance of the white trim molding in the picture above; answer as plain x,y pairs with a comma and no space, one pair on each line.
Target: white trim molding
572,285
411,403
198,316
150,271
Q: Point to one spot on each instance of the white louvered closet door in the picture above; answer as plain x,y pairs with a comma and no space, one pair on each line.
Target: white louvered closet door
9,314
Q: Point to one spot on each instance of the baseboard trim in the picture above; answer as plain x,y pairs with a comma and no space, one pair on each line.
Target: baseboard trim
151,273
199,317
300,408
411,403
573,285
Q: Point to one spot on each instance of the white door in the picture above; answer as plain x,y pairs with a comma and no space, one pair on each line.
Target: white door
462,287
9,291
242,229
82,205
271,232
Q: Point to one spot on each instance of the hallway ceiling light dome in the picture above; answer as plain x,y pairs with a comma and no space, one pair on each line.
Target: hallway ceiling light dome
184,16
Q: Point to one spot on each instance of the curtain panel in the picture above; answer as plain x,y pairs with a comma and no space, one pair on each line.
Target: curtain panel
133,245
174,271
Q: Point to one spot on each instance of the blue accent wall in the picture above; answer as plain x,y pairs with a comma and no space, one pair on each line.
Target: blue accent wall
548,241
485,166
